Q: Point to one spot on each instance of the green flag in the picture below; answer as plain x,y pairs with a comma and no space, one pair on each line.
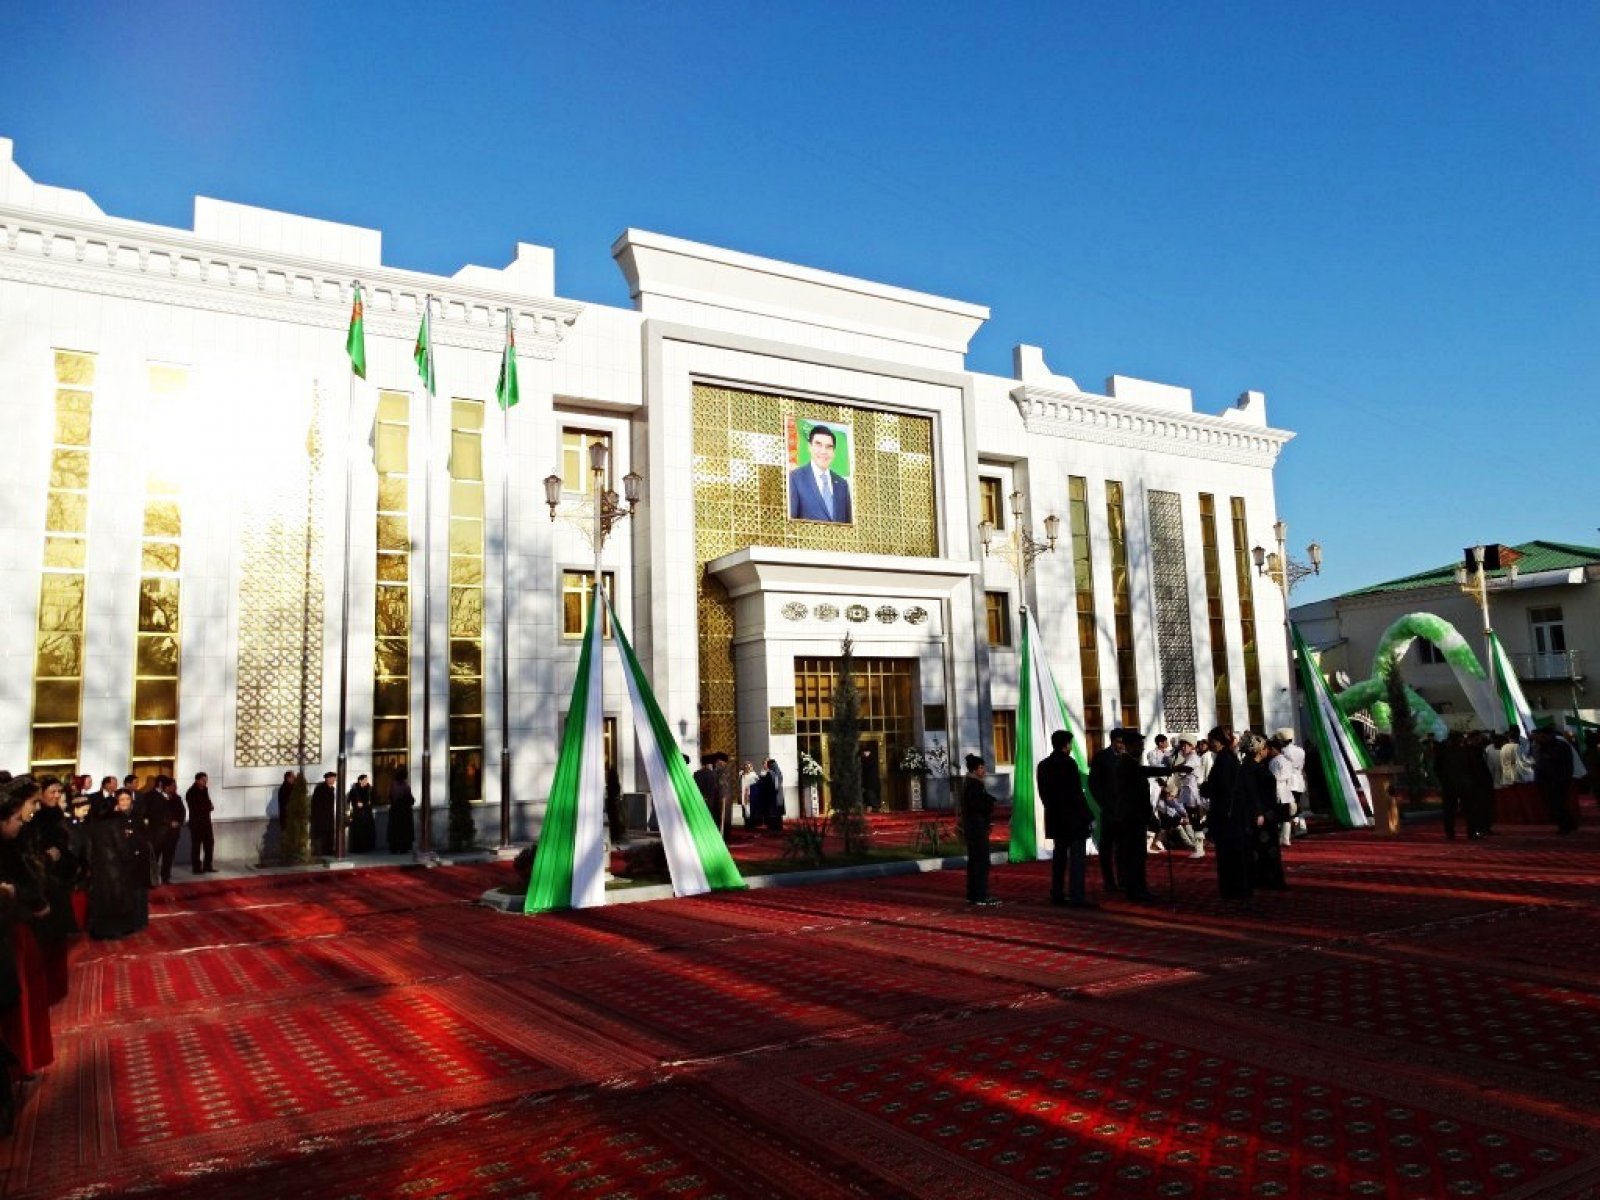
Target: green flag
355,345
506,389
424,351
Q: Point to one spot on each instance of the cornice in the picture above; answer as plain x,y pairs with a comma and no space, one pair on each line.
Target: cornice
1107,421
146,262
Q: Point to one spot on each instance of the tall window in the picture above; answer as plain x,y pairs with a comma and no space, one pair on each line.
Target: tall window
576,589
1247,616
156,649
1122,606
991,503
575,473
1212,559
466,599
58,659
1088,626
997,608
391,664
1005,736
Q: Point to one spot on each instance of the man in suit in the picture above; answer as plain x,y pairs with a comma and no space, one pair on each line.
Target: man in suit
202,841
1066,821
817,492
1103,786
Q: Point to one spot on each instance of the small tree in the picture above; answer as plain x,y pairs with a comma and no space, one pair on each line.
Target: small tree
844,752
296,817
1408,753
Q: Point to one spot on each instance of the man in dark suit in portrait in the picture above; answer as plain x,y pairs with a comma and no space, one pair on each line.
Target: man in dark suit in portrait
816,491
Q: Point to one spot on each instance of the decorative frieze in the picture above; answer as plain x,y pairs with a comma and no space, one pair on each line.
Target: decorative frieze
1101,419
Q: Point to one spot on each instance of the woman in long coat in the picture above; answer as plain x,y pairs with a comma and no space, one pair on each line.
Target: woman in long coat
402,833
363,830
25,1024
119,872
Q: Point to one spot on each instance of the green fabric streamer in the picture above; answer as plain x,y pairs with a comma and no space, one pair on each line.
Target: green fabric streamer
1024,819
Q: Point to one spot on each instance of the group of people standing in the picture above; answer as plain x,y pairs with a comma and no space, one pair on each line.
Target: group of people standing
1242,794
360,818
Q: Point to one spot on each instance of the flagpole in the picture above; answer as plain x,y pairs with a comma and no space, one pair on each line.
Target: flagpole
339,844
426,842
505,609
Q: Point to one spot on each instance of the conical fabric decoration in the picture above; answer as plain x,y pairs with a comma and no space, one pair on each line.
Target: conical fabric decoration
1340,754
697,857
1040,712
569,868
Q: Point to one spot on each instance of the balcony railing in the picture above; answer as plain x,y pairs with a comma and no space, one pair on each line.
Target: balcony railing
1567,665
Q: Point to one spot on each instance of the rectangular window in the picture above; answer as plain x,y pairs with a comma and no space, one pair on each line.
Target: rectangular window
1549,630
1005,736
466,599
1122,606
1247,616
576,476
1088,625
1216,619
991,503
156,647
391,661
997,608
576,588
59,644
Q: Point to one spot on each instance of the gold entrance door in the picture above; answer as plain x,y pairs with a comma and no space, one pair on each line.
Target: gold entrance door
888,723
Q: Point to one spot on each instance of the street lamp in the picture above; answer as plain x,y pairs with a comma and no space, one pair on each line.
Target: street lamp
1286,572
1020,547
603,511
1472,577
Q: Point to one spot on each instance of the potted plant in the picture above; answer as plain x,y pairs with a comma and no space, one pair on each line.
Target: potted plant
914,763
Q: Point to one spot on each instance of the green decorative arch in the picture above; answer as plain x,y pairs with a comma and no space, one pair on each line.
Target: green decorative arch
1371,693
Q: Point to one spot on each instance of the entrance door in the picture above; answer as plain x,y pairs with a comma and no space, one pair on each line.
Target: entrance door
888,723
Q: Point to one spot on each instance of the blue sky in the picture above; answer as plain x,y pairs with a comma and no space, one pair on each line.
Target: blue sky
1385,216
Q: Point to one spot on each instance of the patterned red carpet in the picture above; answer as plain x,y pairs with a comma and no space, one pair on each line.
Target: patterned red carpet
1414,1018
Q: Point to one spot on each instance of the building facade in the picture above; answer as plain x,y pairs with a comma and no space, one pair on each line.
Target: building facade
184,431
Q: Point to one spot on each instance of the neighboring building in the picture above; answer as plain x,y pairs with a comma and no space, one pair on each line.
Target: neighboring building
180,418
1545,609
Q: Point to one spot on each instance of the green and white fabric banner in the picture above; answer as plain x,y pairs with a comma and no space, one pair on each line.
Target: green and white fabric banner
1040,712
569,868
697,857
1514,714
1340,753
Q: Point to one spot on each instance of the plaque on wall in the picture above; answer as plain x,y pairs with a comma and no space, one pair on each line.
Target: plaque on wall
780,719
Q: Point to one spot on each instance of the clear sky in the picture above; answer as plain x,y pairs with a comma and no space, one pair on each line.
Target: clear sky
1384,215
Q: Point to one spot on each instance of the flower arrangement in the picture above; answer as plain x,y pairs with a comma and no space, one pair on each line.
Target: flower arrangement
915,762
937,758
810,768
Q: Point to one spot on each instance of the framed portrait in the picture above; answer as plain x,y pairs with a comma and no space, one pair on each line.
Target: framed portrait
821,478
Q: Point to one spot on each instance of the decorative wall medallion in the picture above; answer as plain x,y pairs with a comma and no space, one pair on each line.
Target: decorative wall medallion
827,612
888,614
916,615
795,611
857,613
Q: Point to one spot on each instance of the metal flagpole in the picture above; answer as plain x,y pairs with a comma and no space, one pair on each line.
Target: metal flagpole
505,618
426,842
339,845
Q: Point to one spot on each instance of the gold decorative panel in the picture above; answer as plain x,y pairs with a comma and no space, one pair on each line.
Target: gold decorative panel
1247,615
466,599
1094,719
58,659
1122,606
156,647
391,661
741,499
281,603
1216,619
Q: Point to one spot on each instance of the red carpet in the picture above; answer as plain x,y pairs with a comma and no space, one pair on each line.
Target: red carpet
1414,1018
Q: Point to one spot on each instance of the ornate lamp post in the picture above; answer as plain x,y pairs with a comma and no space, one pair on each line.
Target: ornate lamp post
1286,572
1020,547
1472,577
597,515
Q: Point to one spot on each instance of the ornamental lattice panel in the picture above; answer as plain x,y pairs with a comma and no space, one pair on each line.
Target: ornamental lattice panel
1174,635
281,613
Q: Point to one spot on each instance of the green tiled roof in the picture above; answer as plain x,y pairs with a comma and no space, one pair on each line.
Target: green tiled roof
1536,556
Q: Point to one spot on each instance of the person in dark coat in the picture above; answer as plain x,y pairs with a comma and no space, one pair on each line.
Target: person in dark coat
363,829
871,781
49,841
1134,814
324,803
1103,787
202,841
1451,766
1231,819
165,812
1067,821
1479,787
977,815
118,872
1254,794
1552,775
25,1024
402,833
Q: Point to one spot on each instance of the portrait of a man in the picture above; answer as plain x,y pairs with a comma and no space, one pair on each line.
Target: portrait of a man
819,485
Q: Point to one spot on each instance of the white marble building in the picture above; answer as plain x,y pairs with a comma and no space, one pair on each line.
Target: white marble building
181,419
